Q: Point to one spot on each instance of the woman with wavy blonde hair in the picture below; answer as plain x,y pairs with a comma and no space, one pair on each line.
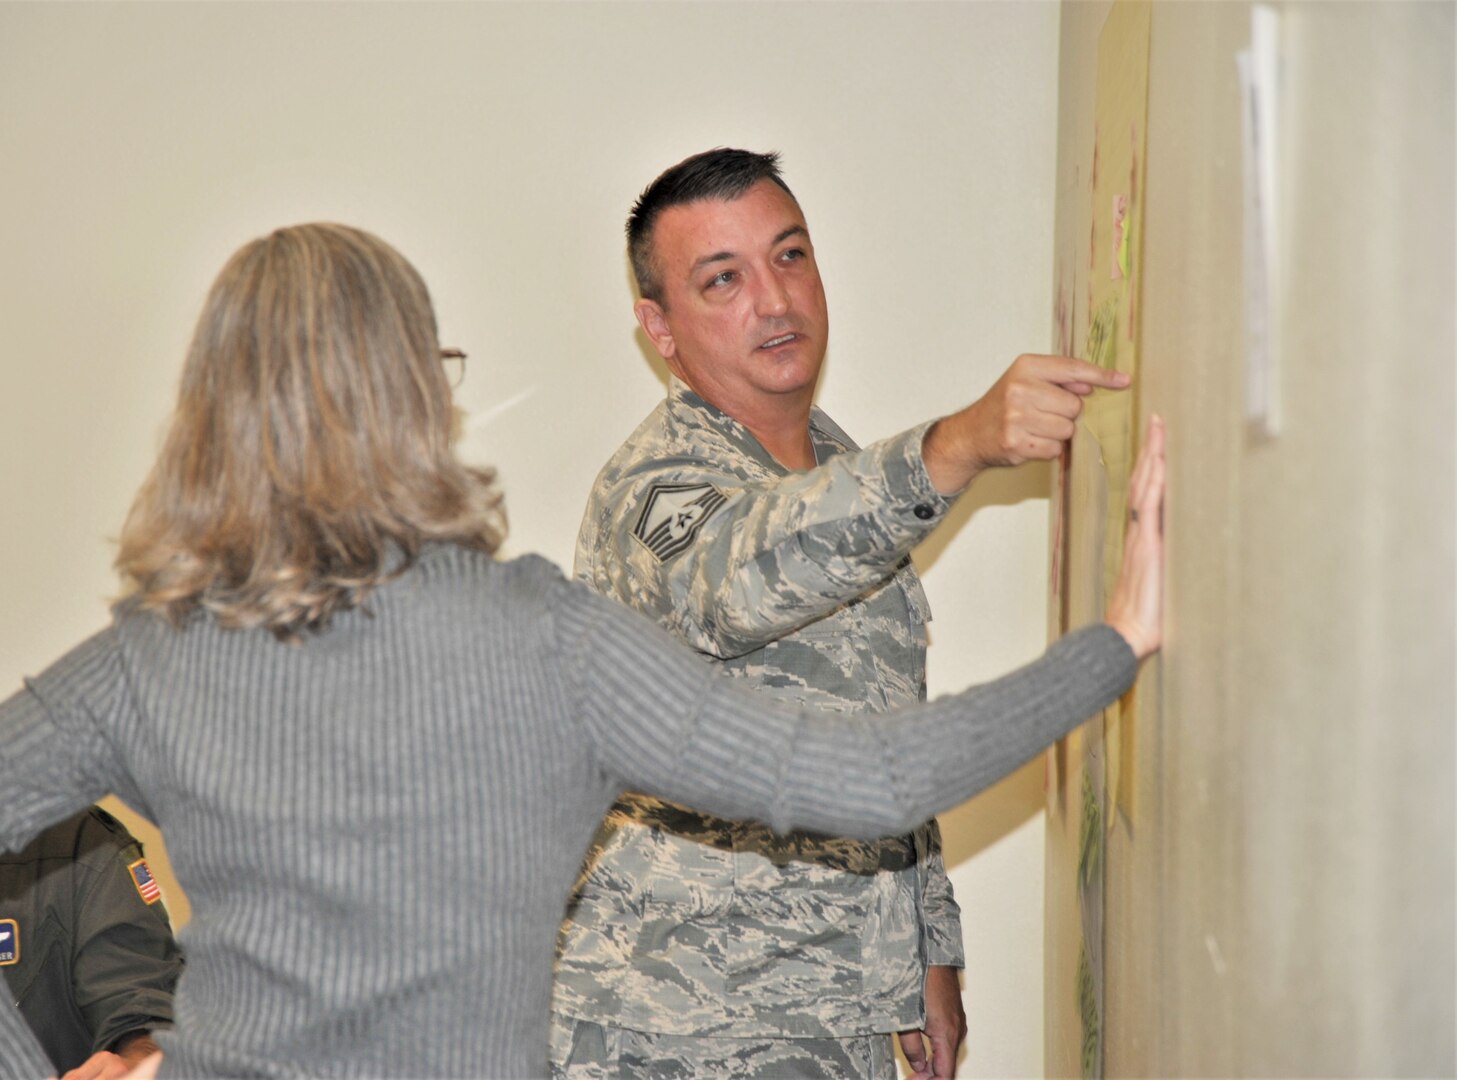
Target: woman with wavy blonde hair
309,458
378,818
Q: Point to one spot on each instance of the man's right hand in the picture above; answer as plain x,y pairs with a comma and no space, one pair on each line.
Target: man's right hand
102,1065
1027,415
147,1070
132,1052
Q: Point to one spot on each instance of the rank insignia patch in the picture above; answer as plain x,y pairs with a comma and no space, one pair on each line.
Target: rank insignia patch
146,884
9,942
672,514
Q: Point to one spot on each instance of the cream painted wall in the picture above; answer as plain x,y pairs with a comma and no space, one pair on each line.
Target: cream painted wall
499,147
1283,903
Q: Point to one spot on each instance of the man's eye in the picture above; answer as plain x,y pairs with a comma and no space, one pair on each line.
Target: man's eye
720,279
791,254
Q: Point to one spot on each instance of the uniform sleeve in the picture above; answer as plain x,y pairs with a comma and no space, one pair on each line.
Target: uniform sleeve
731,565
21,1056
668,723
941,926
126,962
55,758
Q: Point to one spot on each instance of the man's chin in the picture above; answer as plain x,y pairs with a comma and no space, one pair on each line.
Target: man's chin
790,367
785,382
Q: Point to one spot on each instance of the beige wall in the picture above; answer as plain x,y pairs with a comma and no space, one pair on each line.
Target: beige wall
499,147
1284,902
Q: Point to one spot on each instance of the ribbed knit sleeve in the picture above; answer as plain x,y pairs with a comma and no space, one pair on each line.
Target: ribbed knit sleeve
21,1057
55,758
378,828
668,724
943,753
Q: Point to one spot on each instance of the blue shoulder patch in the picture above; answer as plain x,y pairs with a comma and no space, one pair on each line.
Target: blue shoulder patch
9,942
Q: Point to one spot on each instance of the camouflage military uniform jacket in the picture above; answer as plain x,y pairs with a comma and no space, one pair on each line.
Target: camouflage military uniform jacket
799,583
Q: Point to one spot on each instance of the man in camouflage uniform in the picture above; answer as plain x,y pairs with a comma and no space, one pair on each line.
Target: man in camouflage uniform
744,520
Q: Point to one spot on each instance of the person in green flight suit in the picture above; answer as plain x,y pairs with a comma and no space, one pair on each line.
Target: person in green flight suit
86,947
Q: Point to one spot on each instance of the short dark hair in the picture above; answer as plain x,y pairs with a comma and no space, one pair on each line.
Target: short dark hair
721,173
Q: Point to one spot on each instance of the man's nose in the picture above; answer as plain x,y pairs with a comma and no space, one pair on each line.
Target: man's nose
773,298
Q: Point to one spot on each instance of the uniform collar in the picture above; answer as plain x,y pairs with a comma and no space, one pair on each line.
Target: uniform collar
829,438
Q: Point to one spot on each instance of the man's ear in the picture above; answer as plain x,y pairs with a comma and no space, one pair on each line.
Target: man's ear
655,325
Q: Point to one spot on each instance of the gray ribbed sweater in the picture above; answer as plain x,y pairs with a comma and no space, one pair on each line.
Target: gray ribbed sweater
378,829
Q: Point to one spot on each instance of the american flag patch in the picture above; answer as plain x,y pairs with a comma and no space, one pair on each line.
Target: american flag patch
146,884
672,514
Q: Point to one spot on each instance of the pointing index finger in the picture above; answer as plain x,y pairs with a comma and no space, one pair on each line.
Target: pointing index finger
1069,371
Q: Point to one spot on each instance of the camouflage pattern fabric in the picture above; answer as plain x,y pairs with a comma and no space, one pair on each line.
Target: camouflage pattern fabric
584,1050
800,584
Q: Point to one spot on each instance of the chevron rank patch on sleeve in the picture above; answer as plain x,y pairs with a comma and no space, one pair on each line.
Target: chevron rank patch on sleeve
672,515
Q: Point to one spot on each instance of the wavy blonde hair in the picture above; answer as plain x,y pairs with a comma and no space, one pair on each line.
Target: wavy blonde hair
309,458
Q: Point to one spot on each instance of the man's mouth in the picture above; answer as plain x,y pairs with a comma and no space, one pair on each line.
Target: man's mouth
782,339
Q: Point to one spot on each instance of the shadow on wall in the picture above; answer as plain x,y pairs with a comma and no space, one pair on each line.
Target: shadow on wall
974,826
995,487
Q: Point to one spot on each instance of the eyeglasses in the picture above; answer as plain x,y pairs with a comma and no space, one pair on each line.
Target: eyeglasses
454,361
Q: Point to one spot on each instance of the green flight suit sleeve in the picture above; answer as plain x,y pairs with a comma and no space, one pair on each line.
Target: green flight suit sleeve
126,962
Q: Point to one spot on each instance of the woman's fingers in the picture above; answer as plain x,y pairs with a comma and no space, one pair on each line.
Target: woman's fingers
1136,608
